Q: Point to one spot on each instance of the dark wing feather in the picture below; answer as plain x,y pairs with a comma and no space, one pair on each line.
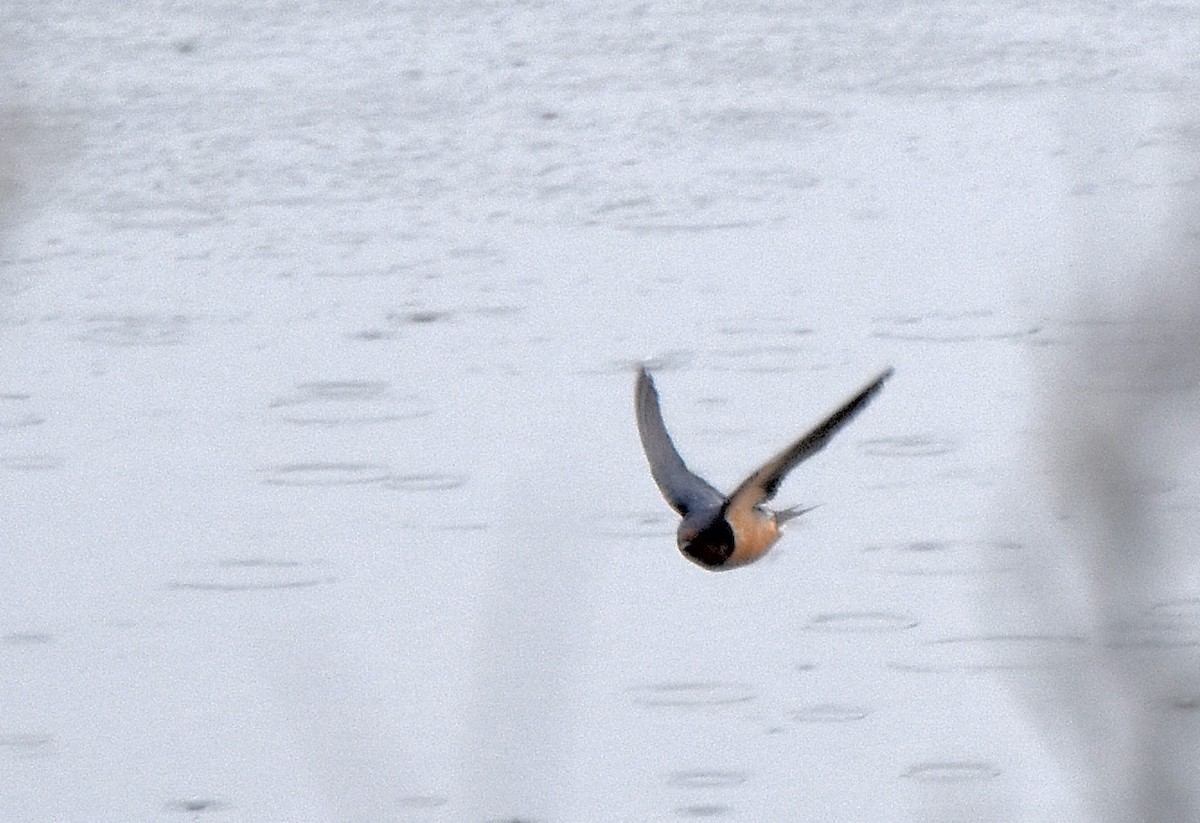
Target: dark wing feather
763,484
685,491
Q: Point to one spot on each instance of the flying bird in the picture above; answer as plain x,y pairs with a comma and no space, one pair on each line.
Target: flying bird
720,532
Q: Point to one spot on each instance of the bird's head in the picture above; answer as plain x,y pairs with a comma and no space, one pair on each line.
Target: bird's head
709,546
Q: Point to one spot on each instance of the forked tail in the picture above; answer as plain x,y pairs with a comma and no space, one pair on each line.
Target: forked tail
784,515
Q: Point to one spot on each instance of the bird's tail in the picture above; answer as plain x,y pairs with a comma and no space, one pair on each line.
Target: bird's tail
785,515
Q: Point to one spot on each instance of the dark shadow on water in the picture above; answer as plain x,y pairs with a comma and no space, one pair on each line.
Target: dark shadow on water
1120,410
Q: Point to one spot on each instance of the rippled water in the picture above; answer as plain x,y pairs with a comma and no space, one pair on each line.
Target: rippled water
325,496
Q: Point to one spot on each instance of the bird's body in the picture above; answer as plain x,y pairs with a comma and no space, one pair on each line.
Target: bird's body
719,532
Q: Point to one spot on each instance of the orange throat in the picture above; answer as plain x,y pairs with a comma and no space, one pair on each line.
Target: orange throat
754,532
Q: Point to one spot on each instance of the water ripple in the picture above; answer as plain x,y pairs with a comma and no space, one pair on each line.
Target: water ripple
964,327
147,330
707,779
693,694
255,574
947,557
910,446
1180,607
327,474
1189,703
29,462
704,810
645,525
333,390
1168,624
420,317
830,713
27,745
424,482
197,805
861,622
952,771
15,417
982,653
759,359
346,403
422,801
27,638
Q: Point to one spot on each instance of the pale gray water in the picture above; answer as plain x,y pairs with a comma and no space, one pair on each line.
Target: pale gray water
325,496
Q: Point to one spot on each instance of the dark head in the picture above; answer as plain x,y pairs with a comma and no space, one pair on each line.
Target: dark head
710,546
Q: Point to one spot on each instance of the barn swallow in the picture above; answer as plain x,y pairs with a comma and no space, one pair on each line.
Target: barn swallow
719,532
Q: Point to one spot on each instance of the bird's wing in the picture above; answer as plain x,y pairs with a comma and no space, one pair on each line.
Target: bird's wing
685,491
763,484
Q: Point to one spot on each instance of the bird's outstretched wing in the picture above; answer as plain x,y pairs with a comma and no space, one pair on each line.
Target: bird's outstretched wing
763,484
685,491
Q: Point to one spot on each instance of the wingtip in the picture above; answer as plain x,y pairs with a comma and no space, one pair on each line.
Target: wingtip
643,376
644,391
876,383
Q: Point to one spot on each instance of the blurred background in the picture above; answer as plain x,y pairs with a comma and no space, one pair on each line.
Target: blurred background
324,495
